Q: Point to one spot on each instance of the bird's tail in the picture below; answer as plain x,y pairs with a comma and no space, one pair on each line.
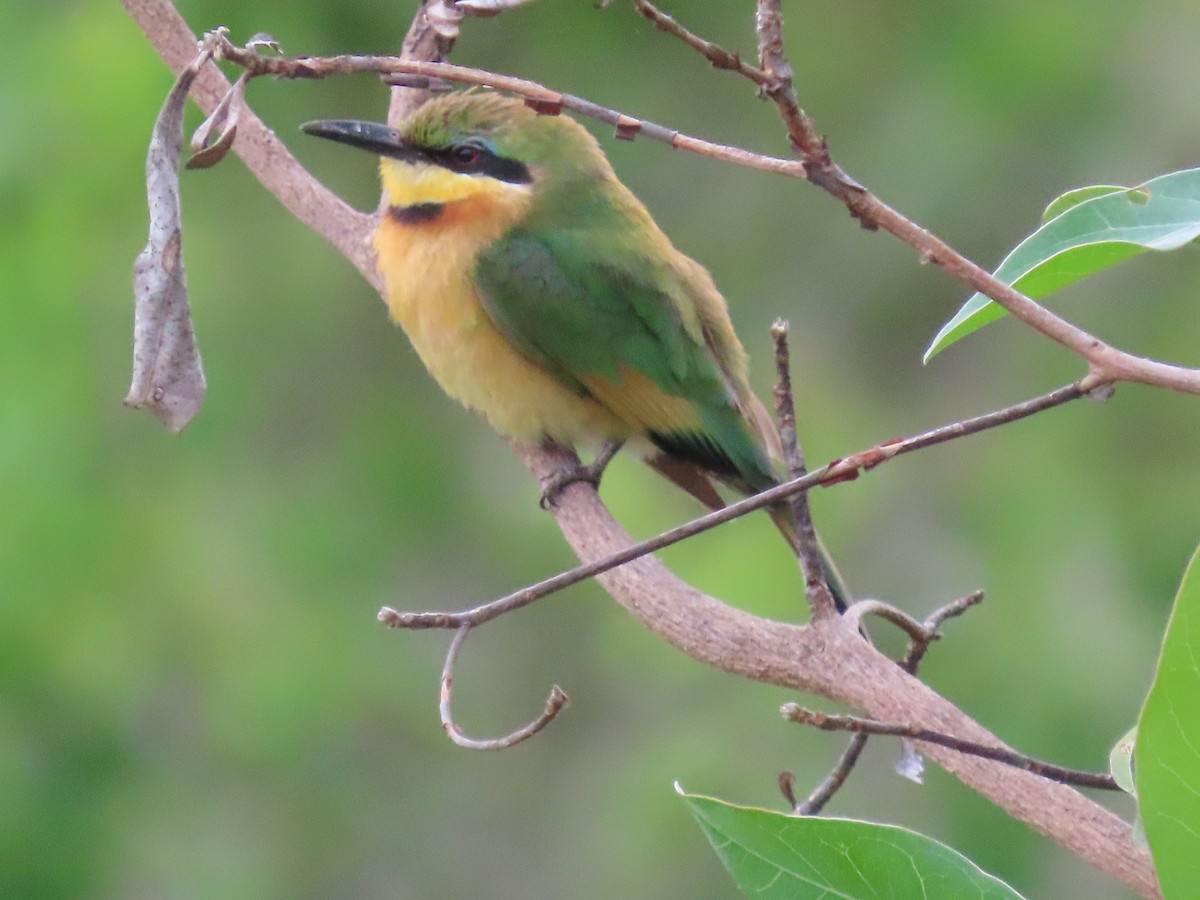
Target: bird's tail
781,515
699,484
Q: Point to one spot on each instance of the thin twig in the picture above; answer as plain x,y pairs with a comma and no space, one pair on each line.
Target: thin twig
554,705
714,53
816,591
538,96
833,782
768,24
484,8
794,712
773,75
845,469
917,649
916,631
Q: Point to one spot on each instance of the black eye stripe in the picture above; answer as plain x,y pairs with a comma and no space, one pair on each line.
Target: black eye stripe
482,162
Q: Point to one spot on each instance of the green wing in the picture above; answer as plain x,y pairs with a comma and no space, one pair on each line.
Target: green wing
591,325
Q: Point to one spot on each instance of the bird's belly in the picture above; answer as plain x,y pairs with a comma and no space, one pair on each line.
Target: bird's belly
429,294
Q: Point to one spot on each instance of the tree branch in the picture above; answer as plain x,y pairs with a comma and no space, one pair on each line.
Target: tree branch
830,659
768,24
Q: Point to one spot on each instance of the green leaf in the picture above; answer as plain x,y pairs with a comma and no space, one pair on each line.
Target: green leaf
1168,747
780,857
1120,761
1089,229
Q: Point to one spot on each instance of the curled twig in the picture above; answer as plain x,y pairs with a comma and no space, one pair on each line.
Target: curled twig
917,632
554,705
794,712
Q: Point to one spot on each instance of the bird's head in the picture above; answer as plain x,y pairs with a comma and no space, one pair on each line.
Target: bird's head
476,146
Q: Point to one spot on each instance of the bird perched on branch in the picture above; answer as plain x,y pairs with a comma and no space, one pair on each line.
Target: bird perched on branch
539,292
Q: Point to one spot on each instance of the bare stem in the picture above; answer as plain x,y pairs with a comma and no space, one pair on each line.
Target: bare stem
768,23
833,782
816,591
918,648
554,705
773,75
794,712
541,98
916,631
714,53
1106,364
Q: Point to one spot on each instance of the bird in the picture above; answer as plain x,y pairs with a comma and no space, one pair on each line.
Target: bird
539,292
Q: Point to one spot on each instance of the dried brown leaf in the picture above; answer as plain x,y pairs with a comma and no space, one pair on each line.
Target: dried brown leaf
168,378
224,119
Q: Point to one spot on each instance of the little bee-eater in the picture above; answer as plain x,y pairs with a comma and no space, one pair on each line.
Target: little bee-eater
539,292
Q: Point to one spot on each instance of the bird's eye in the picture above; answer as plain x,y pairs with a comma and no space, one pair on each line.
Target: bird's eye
466,155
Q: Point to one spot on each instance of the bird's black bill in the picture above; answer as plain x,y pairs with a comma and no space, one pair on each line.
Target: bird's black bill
470,157
371,136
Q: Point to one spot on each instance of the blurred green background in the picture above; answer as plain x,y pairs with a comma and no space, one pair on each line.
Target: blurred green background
195,699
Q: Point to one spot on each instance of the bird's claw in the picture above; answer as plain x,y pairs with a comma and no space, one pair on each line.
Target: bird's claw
589,474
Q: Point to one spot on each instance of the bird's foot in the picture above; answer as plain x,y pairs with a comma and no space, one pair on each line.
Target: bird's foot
590,474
